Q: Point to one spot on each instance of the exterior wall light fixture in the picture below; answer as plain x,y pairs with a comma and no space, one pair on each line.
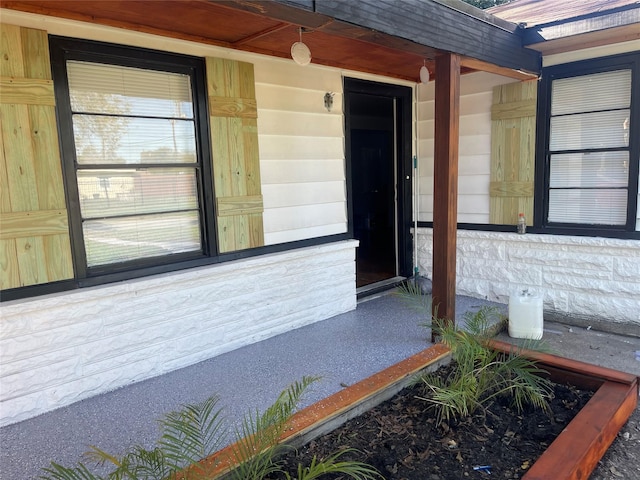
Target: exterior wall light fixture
328,100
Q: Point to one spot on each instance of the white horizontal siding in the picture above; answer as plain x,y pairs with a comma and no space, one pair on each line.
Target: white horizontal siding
296,194
304,216
290,98
303,233
301,171
281,147
298,124
474,149
593,52
301,152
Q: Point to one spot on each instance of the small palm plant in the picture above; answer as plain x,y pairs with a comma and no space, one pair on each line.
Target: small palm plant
197,431
481,373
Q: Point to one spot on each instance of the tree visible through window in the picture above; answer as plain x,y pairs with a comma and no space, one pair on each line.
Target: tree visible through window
136,163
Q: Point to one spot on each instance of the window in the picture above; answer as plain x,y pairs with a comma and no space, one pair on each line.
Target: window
590,156
133,155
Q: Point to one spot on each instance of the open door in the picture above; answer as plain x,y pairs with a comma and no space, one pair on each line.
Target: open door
378,134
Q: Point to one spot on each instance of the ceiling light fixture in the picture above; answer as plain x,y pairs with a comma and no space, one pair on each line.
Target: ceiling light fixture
424,73
300,52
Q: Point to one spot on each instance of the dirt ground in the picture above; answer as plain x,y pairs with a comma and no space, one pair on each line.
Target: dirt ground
622,460
401,439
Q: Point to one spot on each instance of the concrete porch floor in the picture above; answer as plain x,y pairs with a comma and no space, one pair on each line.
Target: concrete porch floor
343,350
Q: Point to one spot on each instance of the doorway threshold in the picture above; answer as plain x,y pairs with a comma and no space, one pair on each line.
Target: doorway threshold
369,291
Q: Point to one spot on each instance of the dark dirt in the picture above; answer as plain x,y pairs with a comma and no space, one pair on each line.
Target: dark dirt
401,439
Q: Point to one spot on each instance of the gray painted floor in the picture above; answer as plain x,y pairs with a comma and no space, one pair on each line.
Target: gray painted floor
591,346
343,350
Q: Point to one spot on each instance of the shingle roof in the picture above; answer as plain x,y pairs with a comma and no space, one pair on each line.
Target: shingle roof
537,12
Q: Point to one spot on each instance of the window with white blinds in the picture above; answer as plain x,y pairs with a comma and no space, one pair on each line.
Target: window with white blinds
136,164
588,153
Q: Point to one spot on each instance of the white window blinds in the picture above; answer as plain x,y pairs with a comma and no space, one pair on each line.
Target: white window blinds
137,170
588,149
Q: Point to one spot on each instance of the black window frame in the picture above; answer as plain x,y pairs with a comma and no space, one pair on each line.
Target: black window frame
63,49
629,61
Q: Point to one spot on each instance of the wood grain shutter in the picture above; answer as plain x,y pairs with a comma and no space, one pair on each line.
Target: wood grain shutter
236,163
34,232
513,136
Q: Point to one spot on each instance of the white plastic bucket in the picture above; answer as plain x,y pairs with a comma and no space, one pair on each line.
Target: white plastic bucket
525,315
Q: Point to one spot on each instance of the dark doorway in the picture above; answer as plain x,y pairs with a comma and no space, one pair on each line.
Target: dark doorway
378,136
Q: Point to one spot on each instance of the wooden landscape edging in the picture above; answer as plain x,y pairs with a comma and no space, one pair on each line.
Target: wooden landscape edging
571,456
331,412
577,449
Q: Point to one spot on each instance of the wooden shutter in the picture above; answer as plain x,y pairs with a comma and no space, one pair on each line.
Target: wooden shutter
34,232
513,137
236,163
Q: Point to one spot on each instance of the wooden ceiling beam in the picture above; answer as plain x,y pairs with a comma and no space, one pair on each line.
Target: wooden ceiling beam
263,33
479,65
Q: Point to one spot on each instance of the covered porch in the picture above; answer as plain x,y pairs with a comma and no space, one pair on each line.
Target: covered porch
395,40
343,350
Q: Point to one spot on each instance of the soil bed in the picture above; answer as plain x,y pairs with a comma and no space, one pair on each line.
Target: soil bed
400,438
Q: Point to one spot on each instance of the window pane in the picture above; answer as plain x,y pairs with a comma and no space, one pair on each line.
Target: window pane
130,118
590,207
589,169
590,130
591,93
95,88
109,241
110,193
127,140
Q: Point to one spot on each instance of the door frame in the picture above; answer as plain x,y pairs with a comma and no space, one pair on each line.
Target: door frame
404,171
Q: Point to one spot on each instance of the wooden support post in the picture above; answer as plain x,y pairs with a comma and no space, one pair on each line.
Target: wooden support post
445,188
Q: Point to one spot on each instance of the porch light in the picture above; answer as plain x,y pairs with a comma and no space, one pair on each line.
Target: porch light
328,100
300,52
424,73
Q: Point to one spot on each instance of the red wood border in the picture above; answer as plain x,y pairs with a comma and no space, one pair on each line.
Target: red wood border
576,451
344,400
572,456
570,365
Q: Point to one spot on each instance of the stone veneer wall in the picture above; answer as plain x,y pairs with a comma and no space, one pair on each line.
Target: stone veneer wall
61,348
584,280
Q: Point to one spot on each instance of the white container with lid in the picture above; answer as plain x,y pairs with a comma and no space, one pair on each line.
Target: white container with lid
525,315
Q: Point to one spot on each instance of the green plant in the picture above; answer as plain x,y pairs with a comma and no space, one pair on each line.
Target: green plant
411,293
197,431
355,470
482,373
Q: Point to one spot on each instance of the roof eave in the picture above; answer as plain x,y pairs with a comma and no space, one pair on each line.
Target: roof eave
442,25
623,17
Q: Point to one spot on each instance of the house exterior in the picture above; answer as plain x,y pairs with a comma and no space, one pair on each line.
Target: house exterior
175,186
541,149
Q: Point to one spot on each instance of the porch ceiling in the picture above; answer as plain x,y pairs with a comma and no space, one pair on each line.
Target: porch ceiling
271,27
